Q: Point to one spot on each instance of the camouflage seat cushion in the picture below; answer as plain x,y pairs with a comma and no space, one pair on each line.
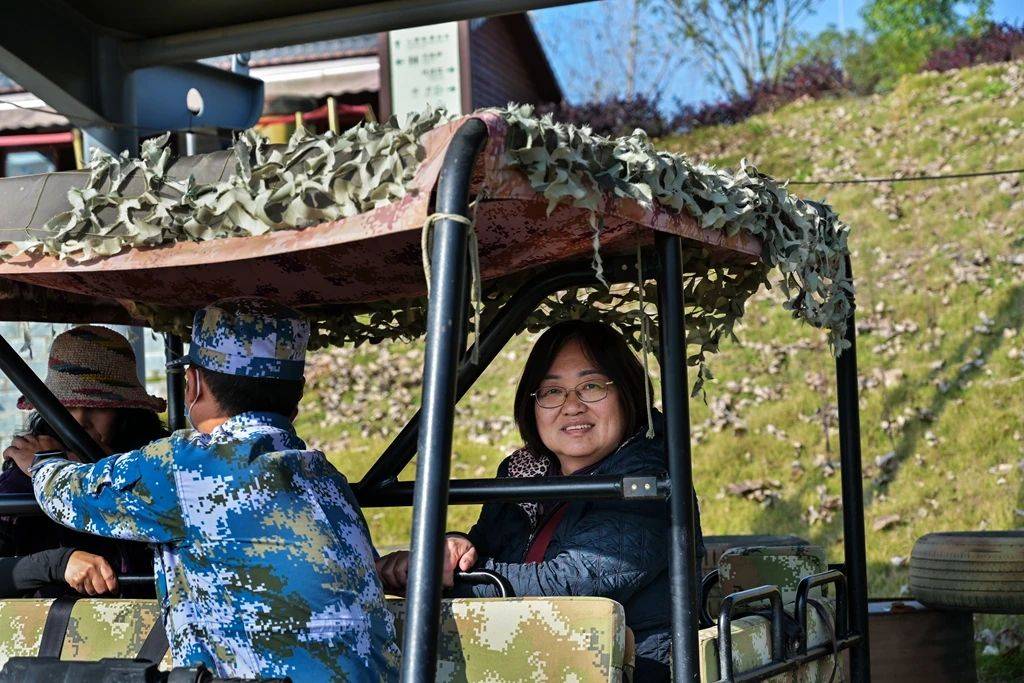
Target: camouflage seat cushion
529,639
751,648
21,627
98,628
783,566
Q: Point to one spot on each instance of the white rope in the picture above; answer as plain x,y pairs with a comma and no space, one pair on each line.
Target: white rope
476,283
645,340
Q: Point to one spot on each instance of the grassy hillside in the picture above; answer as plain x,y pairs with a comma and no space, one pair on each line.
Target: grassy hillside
940,274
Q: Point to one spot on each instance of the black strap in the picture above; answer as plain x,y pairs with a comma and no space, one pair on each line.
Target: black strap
155,646
56,627
831,627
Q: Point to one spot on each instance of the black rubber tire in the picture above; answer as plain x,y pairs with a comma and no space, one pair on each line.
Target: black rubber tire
974,571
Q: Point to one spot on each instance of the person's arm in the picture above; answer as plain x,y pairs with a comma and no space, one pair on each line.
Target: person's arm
611,553
129,496
19,575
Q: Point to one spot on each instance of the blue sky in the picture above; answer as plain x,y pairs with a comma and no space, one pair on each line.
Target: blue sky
689,84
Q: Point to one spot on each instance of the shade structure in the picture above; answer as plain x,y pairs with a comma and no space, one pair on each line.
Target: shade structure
372,257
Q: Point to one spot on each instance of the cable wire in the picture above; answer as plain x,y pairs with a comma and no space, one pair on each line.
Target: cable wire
909,179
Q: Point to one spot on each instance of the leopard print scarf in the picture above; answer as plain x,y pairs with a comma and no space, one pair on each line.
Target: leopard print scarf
524,463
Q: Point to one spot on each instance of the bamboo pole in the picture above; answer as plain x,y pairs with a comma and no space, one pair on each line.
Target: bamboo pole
332,115
78,147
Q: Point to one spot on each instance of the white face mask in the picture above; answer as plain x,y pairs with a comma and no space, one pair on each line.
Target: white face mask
188,410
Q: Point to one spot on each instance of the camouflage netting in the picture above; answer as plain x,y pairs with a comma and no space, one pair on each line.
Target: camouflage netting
317,178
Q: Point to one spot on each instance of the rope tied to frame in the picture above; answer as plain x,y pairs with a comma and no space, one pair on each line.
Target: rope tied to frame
645,340
476,283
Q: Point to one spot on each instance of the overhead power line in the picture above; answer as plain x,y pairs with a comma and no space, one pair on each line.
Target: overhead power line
94,123
909,179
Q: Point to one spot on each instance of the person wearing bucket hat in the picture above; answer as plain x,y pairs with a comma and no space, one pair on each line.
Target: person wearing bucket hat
91,370
264,564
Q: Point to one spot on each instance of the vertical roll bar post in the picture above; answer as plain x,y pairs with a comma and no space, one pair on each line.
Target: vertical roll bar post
445,330
675,401
853,496
71,434
174,349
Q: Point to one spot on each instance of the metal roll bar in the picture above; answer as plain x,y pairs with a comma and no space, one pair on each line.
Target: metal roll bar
854,551
445,329
675,393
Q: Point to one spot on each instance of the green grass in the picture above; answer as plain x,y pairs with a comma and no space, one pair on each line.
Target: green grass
941,348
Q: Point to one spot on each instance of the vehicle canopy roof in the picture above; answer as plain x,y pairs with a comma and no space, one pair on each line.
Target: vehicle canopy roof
333,225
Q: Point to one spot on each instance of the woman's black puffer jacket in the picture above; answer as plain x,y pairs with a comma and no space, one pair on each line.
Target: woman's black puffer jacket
609,548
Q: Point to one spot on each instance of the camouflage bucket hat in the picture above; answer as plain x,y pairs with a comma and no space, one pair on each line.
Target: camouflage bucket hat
94,367
250,337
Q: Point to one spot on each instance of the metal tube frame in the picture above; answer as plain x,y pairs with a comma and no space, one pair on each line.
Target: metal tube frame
736,600
173,350
853,497
71,434
505,325
683,581
442,384
445,330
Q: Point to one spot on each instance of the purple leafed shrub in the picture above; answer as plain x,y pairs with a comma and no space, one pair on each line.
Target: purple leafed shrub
813,80
615,116
999,43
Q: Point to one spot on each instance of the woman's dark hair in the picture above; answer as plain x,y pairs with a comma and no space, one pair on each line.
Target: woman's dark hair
237,394
135,427
609,352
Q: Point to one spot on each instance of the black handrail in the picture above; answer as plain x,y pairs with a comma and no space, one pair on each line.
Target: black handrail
735,600
803,594
485,577
709,581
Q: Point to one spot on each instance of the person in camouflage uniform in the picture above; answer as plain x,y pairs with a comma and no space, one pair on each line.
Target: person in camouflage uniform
264,566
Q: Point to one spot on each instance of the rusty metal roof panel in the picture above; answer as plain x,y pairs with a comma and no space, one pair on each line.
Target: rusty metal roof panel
372,257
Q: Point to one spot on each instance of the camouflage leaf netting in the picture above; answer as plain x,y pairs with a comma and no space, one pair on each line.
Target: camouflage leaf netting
318,178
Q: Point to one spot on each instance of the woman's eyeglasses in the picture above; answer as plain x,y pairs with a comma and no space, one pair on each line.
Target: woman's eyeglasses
588,392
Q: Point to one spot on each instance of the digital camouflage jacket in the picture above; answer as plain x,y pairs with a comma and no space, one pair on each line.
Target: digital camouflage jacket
264,566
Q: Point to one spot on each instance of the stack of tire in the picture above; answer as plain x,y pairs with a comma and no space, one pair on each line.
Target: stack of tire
980,571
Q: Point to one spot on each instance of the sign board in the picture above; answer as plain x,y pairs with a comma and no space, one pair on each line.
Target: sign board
425,68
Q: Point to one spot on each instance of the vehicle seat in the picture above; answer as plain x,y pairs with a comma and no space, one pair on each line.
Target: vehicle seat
98,628
751,648
782,566
530,639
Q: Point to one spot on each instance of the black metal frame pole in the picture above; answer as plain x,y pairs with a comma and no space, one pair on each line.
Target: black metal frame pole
71,434
174,349
675,401
448,288
853,497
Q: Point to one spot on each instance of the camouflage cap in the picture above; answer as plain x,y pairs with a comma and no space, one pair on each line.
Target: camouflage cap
248,336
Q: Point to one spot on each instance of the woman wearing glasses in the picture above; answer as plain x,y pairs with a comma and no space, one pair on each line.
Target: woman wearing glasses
581,411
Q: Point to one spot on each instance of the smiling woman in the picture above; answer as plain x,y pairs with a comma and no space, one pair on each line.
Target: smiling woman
580,409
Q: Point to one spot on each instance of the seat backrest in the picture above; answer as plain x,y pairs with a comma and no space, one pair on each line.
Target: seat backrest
782,566
751,648
21,626
529,639
98,628
104,627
